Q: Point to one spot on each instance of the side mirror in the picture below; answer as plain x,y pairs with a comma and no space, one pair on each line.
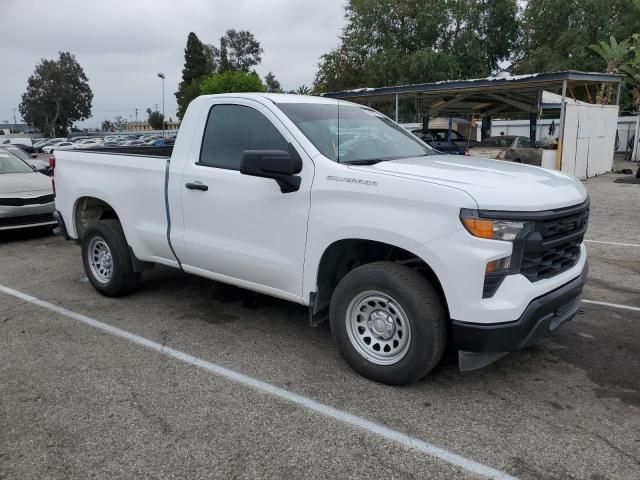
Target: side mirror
280,165
34,155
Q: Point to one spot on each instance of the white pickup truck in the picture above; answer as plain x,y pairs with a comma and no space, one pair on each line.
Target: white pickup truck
334,206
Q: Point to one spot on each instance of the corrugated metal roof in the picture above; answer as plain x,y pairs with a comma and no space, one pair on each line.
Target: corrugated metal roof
497,95
535,80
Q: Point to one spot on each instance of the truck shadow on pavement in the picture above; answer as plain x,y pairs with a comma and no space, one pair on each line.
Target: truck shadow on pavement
23,234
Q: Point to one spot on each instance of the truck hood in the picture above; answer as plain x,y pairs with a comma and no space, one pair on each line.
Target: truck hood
36,183
494,184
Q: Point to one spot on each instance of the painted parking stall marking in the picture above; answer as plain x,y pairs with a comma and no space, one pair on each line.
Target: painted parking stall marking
612,305
618,244
277,392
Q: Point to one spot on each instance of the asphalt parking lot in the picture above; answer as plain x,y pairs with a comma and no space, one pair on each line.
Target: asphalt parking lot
78,401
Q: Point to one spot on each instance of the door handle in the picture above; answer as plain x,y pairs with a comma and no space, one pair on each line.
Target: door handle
197,186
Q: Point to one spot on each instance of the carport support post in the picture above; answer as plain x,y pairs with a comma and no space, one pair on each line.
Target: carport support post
561,129
485,128
533,127
397,107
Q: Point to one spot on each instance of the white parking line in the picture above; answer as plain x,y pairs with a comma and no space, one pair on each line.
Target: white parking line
613,305
613,243
304,402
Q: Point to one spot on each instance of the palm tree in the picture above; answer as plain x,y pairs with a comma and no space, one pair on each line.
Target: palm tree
302,90
615,56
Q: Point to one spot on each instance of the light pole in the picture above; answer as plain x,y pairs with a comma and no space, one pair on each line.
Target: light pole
161,75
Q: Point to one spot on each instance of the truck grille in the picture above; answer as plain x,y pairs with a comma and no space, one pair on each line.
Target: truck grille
554,246
21,202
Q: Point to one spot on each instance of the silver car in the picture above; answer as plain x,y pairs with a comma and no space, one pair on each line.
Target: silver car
26,196
506,147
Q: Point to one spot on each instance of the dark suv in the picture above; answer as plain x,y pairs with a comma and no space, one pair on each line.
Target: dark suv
437,138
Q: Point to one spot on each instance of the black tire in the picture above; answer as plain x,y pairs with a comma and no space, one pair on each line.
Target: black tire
123,279
425,314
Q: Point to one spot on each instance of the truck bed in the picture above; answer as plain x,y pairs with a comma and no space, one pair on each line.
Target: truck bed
139,151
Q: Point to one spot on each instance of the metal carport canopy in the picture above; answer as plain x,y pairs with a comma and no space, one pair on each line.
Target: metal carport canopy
486,96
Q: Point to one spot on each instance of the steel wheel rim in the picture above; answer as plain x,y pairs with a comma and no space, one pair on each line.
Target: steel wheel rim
100,260
378,327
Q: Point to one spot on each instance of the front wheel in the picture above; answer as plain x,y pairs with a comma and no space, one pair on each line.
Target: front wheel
389,323
107,260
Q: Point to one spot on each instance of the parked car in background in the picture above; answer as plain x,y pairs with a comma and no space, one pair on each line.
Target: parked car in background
38,146
438,139
161,142
39,165
24,143
59,146
26,196
507,147
88,143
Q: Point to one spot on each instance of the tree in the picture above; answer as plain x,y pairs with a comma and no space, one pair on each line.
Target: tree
197,64
272,85
556,34
391,42
632,71
615,55
107,126
120,123
302,90
57,95
156,119
238,51
229,82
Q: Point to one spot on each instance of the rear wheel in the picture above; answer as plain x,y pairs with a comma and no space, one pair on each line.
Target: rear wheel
389,323
106,259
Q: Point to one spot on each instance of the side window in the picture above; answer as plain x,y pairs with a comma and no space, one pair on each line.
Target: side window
524,143
232,129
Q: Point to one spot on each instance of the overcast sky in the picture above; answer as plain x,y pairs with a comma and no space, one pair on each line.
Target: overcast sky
122,45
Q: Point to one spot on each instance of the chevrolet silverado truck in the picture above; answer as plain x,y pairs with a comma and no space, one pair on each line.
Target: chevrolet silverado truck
334,206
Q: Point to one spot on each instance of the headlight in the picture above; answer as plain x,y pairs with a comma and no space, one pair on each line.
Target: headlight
497,229
507,230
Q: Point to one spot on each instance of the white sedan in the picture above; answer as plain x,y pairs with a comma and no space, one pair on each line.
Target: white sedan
26,196
88,143
59,146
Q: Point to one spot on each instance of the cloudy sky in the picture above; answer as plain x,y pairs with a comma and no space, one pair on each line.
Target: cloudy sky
123,44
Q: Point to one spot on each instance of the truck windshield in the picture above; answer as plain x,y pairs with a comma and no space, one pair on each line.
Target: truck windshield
353,134
12,164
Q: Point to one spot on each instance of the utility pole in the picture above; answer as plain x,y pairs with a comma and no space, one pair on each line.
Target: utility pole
161,75
136,115
15,122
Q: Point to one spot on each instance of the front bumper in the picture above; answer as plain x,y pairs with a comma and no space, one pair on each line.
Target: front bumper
26,216
479,344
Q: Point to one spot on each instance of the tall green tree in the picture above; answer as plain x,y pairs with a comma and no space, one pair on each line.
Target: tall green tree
556,34
197,64
57,95
387,42
239,50
155,119
271,84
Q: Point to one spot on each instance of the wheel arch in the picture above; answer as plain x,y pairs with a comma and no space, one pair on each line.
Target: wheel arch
89,208
344,255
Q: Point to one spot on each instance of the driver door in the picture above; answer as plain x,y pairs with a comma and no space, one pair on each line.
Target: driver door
237,228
